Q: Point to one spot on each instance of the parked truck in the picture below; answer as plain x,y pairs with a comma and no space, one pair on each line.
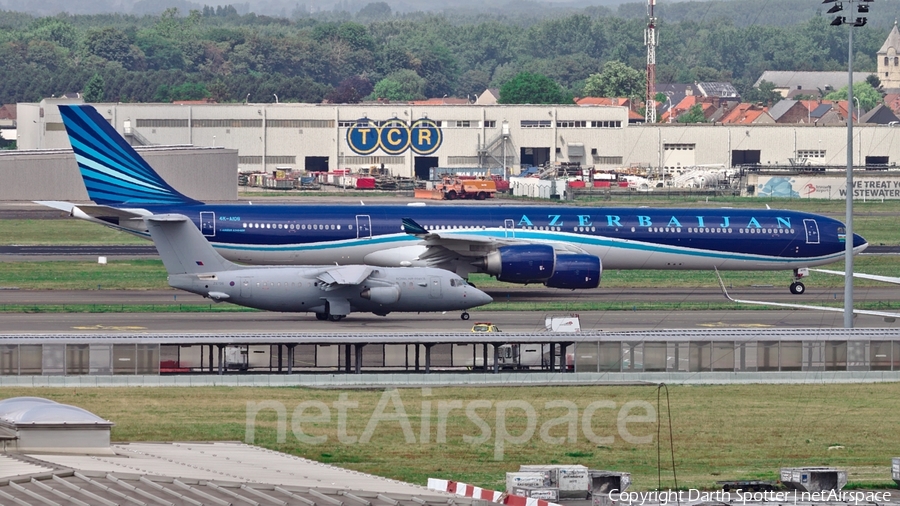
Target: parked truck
452,188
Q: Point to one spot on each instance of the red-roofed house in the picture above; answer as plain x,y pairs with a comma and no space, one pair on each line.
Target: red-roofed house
706,104
616,102
8,112
747,114
892,100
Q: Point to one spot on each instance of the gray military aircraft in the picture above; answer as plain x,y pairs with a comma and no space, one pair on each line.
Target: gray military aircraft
331,292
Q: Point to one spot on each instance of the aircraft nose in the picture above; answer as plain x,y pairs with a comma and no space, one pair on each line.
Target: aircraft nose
859,243
478,298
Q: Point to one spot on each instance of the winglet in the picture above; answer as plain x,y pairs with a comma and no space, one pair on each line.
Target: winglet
412,228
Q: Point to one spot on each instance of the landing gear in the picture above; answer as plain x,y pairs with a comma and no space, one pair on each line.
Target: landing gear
321,316
797,287
464,316
335,317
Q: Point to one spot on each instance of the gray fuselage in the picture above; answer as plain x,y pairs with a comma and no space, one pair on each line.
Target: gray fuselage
299,289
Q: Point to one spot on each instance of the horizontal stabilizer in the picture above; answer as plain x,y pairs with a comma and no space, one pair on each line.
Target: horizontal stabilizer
55,204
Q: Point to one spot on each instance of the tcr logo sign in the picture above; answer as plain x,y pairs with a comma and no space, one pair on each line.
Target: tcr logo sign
394,136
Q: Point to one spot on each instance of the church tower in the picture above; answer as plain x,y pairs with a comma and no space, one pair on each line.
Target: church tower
889,60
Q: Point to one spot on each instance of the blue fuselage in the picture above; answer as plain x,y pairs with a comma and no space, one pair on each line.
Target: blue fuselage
623,238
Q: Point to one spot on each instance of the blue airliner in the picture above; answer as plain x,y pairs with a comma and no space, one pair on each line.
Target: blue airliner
558,246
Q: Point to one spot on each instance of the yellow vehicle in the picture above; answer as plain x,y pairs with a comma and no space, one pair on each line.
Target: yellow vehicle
485,327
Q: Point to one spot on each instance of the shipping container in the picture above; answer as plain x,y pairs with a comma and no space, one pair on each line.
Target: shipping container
532,480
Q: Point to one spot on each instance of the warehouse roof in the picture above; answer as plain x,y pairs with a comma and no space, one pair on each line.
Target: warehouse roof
207,473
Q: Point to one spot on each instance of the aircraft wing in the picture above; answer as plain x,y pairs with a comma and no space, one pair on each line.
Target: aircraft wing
441,248
882,314
873,277
337,276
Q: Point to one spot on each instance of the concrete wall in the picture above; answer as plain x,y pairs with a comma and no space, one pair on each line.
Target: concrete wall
74,439
200,173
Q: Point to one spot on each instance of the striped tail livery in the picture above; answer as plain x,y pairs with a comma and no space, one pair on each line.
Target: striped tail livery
113,172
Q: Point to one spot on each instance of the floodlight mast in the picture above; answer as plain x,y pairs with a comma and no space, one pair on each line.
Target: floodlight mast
651,39
862,8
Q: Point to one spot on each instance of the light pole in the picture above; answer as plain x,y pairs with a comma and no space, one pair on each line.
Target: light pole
862,8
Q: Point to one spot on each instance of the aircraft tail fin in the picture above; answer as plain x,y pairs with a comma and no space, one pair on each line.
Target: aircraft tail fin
112,171
182,247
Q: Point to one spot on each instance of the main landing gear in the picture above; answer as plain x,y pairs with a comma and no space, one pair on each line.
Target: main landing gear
464,316
797,287
329,317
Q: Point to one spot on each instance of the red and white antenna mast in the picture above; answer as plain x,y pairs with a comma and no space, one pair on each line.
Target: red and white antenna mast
651,39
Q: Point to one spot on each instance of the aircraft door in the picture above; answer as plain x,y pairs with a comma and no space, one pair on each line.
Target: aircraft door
246,288
208,223
435,287
363,226
812,231
509,228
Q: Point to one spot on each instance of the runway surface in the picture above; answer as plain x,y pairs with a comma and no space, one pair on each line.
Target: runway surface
536,294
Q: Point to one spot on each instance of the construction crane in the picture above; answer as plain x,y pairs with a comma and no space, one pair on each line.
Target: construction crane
651,39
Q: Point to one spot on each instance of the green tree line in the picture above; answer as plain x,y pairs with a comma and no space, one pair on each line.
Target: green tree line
223,55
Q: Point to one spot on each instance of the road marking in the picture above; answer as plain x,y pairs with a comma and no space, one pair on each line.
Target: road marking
109,327
743,325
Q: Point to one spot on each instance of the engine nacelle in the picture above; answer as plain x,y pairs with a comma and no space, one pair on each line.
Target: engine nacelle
381,294
576,271
521,264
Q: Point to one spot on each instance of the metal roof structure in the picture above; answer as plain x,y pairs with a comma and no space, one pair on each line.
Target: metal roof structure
201,473
669,335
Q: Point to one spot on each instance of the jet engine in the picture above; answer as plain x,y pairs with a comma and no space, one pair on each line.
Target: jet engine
381,294
539,263
575,271
521,264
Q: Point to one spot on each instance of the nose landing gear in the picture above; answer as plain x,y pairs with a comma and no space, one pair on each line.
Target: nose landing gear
464,316
797,287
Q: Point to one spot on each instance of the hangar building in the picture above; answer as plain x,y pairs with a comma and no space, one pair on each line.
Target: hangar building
411,139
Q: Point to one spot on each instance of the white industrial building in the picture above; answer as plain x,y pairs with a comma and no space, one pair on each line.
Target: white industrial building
315,136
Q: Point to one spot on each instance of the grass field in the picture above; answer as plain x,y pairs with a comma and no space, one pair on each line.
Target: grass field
720,432
61,232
